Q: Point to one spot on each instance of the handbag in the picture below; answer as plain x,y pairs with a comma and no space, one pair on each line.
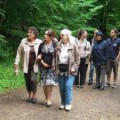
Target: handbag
63,67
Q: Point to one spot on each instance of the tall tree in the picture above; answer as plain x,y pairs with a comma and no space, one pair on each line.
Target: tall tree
108,16
3,42
16,17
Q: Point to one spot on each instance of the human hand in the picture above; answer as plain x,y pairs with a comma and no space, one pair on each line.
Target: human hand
15,66
45,65
16,69
16,72
39,57
91,62
72,70
117,58
53,67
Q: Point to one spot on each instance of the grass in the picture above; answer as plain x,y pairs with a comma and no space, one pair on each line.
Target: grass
8,80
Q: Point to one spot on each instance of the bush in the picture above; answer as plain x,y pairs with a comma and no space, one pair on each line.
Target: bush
4,51
8,80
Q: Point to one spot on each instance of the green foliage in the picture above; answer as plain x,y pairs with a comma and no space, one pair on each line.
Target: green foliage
108,16
55,14
2,13
17,16
4,50
75,14
8,80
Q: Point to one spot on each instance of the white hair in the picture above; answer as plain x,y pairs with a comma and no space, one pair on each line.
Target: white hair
67,32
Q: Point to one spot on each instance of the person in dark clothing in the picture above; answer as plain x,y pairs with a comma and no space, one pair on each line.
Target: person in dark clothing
46,55
113,61
90,82
84,51
99,58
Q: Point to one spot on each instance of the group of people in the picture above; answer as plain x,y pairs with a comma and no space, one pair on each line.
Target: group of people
64,61
105,57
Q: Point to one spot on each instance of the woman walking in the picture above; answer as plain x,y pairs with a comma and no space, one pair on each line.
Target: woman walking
67,62
27,51
46,55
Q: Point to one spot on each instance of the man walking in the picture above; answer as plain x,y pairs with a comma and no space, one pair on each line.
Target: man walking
113,61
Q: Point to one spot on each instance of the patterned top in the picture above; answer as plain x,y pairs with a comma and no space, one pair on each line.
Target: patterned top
48,76
47,52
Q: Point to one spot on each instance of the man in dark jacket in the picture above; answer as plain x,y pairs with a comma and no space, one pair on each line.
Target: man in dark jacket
99,57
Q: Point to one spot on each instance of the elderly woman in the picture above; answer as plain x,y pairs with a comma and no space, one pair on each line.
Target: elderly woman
28,50
67,62
46,55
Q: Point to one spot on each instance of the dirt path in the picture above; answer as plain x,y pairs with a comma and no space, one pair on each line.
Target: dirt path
88,104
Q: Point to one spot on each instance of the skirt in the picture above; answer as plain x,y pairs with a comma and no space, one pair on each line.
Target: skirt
48,76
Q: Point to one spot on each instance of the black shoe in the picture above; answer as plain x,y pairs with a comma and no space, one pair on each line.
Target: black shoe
28,100
78,86
90,83
34,100
96,87
81,86
75,84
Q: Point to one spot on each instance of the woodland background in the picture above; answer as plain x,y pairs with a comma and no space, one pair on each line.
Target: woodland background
17,15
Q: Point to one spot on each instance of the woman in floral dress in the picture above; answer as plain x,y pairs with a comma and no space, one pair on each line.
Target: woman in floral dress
46,55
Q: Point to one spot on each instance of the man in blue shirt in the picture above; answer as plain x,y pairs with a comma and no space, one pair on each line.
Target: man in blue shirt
114,56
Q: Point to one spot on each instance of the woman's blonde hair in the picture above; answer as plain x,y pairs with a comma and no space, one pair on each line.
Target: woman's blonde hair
67,32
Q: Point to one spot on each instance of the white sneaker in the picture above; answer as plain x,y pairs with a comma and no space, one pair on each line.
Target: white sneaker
107,85
62,107
114,86
68,107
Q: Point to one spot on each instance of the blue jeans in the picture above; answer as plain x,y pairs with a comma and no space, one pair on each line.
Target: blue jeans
66,88
92,66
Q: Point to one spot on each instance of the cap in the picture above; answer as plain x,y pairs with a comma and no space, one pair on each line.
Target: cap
99,33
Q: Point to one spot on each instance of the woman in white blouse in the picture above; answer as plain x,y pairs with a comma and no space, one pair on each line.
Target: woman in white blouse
67,62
